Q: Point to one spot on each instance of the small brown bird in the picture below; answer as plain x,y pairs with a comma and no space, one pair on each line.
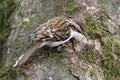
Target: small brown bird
55,32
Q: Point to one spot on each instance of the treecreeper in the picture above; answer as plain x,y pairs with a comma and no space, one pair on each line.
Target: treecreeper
54,33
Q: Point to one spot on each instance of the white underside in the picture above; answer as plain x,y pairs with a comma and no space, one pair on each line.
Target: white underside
73,34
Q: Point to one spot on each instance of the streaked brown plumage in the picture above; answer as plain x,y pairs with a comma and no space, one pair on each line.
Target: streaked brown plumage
56,29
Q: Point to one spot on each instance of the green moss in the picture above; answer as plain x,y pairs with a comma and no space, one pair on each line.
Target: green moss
111,67
6,9
101,4
91,57
105,15
88,55
57,56
116,45
7,72
94,29
111,45
69,8
95,70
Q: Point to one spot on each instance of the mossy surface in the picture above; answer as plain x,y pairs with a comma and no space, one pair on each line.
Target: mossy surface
94,29
88,55
67,8
6,9
101,4
57,56
7,72
91,57
110,45
111,69
111,66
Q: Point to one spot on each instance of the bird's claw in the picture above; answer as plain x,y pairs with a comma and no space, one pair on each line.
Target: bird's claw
69,21
61,47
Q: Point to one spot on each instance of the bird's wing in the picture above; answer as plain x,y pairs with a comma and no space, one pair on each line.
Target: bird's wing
54,29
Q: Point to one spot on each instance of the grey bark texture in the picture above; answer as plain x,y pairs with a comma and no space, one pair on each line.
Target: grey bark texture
50,64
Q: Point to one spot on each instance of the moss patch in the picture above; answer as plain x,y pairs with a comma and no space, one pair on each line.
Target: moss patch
101,4
69,8
88,55
91,57
57,56
6,9
111,69
111,45
7,72
110,66
94,29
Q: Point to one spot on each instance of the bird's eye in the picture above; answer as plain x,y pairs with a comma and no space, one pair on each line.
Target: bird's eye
32,36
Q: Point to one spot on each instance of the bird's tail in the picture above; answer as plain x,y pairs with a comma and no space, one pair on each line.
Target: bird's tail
24,57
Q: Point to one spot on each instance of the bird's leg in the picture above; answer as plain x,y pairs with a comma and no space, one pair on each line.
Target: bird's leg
73,46
80,39
61,47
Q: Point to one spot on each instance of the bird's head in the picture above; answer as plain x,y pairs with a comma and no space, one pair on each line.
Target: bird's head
40,35
33,36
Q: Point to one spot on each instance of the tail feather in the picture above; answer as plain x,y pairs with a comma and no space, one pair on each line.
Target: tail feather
27,54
